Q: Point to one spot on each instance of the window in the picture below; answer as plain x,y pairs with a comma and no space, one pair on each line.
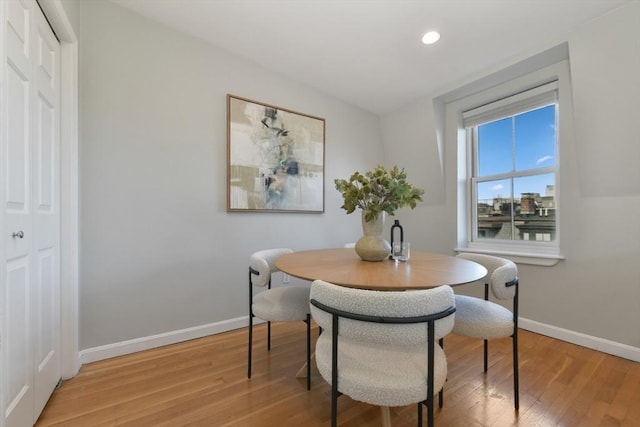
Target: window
513,167
504,139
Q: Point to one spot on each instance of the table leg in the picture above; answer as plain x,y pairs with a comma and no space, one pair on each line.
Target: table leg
302,373
386,416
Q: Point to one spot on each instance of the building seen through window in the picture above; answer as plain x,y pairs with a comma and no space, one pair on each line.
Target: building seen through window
513,175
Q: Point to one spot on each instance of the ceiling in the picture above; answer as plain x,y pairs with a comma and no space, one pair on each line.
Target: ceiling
368,52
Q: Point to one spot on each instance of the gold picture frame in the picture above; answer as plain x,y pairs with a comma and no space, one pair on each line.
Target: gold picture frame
275,158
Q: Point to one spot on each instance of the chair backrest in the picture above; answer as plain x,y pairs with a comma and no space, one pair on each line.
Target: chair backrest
502,274
383,304
261,265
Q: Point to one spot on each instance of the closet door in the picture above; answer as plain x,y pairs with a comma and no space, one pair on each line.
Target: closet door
30,224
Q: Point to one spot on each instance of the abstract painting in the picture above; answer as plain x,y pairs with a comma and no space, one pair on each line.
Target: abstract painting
275,158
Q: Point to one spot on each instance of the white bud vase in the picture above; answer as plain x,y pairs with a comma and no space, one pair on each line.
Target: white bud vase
372,246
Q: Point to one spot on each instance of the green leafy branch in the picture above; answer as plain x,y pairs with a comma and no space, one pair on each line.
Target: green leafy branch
378,190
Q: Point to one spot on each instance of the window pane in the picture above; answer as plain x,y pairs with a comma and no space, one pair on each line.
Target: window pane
520,205
541,185
536,210
494,209
494,147
535,138
532,203
489,190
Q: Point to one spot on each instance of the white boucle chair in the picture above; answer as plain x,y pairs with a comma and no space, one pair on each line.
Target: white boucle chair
481,318
282,304
379,347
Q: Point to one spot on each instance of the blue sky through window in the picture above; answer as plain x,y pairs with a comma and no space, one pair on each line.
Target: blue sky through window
518,143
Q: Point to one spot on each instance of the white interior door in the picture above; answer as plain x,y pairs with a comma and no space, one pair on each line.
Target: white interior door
30,213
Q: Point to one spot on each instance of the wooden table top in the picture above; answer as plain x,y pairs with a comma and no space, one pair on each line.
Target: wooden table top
344,267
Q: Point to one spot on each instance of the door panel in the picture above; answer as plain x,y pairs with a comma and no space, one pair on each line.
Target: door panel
17,139
46,320
18,367
18,363
17,165
46,213
30,213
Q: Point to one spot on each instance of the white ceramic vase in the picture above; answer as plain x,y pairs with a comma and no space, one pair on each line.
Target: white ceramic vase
372,246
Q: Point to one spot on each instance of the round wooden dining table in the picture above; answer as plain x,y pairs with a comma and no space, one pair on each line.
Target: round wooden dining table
342,266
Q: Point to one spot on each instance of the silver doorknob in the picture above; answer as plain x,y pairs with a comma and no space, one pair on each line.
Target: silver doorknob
19,234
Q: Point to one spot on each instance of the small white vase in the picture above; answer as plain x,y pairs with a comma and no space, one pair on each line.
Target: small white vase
372,246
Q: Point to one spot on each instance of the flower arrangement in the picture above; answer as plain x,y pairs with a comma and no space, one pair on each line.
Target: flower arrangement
378,190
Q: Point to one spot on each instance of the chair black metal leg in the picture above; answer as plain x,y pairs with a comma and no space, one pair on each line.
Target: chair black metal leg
419,414
486,355
516,383
516,391
334,371
334,410
268,336
430,371
250,345
308,321
441,392
334,404
250,325
486,342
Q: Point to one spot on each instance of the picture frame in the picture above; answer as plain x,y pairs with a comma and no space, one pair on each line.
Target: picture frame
275,158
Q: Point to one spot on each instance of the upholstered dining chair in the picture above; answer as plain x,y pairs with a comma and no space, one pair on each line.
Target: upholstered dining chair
380,347
281,304
482,318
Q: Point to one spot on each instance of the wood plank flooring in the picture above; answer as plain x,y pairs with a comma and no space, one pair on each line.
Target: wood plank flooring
203,383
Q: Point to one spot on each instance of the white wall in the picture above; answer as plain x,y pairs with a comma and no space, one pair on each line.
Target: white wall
71,10
596,290
159,251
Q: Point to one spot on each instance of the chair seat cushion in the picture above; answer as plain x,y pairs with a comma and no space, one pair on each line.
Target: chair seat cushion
283,304
478,318
380,374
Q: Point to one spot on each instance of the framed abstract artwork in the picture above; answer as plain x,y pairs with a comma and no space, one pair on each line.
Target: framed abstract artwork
275,158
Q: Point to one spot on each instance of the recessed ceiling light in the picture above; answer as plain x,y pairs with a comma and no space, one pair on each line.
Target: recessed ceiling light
431,37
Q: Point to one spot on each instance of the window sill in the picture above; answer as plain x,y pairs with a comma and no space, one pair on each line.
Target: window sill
544,260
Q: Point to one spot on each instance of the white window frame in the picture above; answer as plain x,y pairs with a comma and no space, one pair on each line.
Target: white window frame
522,102
539,253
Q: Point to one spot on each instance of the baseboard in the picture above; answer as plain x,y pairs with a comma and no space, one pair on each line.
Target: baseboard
595,343
145,343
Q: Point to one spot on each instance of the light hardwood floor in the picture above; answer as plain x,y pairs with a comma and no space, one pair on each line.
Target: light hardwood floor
203,383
